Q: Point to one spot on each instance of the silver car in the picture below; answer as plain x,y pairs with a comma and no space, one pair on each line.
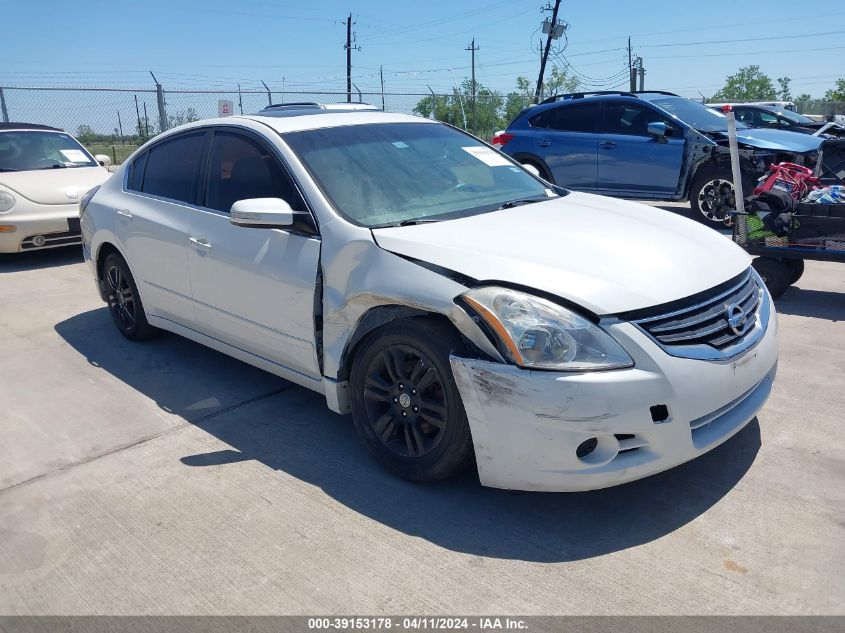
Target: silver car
461,308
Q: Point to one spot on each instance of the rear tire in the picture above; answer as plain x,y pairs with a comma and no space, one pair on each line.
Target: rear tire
797,268
775,273
712,195
405,405
124,301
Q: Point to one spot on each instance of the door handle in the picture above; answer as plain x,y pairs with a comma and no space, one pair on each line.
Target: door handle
544,142
124,213
200,243
607,144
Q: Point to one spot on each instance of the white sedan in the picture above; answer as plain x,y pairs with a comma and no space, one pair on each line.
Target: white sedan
43,174
463,310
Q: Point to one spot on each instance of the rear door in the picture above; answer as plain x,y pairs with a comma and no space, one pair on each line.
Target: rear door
152,221
254,288
633,163
565,139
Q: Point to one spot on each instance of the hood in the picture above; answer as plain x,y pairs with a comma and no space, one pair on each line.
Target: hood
606,255
778,140
53,186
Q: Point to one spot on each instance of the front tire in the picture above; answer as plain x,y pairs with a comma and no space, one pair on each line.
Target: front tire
124,302
405,405
712,195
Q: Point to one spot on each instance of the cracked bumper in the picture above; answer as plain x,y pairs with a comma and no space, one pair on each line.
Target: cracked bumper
527,425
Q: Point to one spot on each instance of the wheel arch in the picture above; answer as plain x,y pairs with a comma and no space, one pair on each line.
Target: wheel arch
103,250
379,317
541,164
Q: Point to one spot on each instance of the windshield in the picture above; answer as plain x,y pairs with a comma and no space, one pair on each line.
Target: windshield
25,150
696,115
384,174
794,117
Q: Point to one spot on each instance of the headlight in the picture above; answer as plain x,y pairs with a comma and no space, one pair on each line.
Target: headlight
7,201
539,334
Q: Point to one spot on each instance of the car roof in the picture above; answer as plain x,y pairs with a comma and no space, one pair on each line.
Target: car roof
315,120
28,126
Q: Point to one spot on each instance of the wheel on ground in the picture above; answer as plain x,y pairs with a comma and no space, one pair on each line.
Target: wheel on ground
797,268
124,301
405,405
775,273
712,194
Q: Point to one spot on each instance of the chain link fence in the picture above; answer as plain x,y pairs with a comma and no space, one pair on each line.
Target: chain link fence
115,121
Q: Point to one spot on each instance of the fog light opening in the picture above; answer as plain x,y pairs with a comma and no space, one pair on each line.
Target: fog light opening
598,450
586,447
39,241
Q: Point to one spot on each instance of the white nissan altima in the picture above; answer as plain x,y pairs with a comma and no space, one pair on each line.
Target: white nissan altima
463,310
43,174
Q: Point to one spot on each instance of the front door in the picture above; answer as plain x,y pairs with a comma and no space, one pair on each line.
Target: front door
633,163
253,288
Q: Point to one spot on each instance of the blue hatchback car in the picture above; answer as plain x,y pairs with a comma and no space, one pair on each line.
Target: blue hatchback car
647,145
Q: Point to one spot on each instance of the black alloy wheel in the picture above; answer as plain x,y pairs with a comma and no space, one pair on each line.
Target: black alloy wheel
405,401
124,302
405,404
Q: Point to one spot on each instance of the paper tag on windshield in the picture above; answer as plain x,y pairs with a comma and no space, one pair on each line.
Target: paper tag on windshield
488,156
75,155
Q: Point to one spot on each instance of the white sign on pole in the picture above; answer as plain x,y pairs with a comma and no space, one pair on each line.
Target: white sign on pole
225,107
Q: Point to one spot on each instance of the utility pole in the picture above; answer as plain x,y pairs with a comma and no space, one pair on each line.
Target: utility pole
348,46
472,47
639,70
632,76
553,30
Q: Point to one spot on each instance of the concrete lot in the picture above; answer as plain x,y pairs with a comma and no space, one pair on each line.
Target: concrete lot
164,478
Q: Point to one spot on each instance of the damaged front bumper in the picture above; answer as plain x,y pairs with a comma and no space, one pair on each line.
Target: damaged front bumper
527,426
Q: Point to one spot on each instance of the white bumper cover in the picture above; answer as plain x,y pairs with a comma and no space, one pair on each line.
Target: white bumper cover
527,425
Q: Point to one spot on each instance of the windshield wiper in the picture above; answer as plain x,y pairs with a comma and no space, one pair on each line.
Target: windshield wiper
520,201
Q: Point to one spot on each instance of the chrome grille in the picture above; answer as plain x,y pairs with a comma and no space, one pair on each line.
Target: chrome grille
725,323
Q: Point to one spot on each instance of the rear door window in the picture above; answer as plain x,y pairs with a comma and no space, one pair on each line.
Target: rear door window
173,167
573,117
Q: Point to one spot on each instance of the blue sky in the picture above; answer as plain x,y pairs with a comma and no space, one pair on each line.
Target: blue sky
217,43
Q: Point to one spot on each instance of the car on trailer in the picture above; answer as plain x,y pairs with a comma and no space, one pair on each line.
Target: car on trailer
651,145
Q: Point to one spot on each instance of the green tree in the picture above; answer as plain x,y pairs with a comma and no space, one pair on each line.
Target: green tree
803,97
783,89
748,84
458,106
837,93
559,81
85,134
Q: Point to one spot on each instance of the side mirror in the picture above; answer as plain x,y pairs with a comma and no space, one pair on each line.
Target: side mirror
267,213
103,159
659,130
